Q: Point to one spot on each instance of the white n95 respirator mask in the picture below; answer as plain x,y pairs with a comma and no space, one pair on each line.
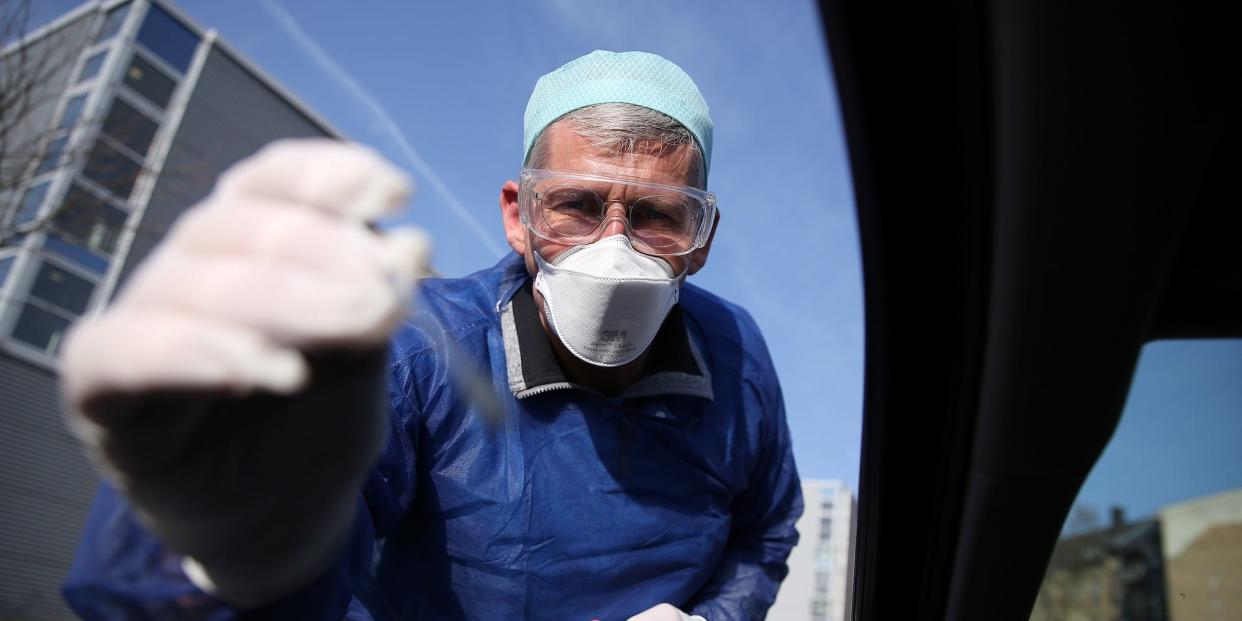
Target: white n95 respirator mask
606,301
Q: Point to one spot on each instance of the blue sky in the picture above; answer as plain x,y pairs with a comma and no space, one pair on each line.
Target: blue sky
440,88
1180,435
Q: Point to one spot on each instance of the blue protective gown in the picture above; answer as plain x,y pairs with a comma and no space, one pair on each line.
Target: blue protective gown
575,506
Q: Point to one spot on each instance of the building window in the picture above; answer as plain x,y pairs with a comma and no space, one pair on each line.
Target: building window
111,169
89,221
6,266
61,289
86,229
819,610
28,209
91,67
112,23
40,328
129,127
51,158
86,259
167,38
73,110
821,582
56,296
148,81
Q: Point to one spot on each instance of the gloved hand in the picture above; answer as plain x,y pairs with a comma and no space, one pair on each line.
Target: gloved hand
664,612
234,391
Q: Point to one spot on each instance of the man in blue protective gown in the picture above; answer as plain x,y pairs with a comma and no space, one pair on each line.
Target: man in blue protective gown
574,433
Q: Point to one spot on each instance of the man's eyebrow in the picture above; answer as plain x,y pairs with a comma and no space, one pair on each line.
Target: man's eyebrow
602,187
599,187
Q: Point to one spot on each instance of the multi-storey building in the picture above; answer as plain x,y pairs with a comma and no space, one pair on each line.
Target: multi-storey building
818,587
1114,572
132,110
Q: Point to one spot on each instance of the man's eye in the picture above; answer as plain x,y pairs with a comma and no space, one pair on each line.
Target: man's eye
655,214
658,213
574,202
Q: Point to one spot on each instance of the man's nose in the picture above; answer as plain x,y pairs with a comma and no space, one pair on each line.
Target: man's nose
614,219
614,226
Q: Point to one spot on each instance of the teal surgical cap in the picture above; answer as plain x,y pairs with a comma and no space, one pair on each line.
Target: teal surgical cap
637,78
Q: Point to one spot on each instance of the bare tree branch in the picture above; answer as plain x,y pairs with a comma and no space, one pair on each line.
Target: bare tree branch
112,153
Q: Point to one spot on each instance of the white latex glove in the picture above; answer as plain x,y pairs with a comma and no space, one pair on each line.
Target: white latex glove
234,390
665,612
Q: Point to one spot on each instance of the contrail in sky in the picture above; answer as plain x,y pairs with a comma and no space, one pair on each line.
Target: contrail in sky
375,108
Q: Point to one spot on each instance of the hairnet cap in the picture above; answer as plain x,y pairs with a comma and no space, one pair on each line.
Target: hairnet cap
637,78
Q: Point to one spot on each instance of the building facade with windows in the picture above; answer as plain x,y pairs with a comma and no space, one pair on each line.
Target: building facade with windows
821,567
133,113
1113,572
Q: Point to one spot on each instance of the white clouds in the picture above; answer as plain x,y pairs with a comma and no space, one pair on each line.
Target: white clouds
381,121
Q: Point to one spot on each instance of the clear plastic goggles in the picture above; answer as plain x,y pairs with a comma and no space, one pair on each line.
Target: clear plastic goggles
572,208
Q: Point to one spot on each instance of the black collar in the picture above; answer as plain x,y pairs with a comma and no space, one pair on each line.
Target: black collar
674,366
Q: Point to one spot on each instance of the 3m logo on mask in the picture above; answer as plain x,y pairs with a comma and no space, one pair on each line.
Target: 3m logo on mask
612,342
613,336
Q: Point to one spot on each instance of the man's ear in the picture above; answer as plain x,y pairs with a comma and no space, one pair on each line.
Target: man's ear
515,231
698,258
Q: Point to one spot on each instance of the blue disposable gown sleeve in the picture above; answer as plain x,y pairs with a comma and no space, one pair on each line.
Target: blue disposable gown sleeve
745,582
122,571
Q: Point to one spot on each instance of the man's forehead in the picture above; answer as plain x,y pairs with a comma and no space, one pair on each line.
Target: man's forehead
653,162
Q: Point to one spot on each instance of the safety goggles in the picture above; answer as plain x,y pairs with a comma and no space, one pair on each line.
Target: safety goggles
572,208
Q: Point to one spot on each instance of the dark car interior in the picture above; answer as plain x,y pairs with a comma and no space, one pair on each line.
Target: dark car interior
1041,189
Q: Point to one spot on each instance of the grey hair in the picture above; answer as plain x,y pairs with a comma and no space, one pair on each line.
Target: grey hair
621,128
